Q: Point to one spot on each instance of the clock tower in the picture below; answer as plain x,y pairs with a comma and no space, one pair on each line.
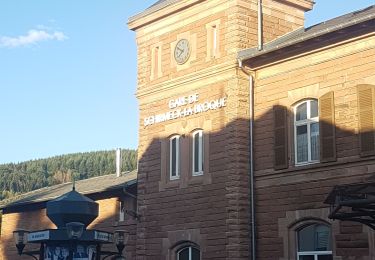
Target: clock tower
194,180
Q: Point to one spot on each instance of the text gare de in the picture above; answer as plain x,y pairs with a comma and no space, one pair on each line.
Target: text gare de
186,111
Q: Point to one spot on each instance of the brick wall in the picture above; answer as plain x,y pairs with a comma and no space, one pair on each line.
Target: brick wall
286,196
211,210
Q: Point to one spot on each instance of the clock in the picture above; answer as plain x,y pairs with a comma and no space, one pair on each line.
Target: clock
182,51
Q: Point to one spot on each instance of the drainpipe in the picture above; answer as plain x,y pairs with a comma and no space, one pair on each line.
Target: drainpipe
260,26
251,159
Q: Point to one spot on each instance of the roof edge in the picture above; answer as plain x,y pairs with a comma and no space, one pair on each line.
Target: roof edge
254,52
152,9
156,11
13,202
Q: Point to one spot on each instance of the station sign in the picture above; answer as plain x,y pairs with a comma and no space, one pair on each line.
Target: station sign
185,106
38,236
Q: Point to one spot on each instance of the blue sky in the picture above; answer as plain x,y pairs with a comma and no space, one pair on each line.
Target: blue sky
68,74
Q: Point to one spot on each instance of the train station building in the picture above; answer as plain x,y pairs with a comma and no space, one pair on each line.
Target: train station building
254,130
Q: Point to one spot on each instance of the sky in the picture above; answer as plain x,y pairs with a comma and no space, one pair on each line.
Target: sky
68,74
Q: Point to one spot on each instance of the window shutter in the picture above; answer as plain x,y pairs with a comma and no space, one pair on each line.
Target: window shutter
366,108
280,138
327,128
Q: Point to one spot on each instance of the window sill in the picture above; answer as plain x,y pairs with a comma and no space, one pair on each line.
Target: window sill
195,174
169,184
319,165
301,164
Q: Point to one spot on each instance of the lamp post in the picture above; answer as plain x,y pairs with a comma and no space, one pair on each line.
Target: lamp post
20,237
71,213
120,239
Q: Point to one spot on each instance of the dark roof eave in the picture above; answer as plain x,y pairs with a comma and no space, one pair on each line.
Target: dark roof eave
269,48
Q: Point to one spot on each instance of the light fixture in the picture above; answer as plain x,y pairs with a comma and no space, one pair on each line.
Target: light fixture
120,239
20,236
74,230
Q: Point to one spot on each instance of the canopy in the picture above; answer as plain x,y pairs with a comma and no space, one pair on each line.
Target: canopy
353,202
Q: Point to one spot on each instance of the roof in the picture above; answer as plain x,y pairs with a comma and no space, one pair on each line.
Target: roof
87,186
153,8
315,31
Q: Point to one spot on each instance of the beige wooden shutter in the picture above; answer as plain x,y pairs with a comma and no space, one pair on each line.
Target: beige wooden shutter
366,111
280,137
327,128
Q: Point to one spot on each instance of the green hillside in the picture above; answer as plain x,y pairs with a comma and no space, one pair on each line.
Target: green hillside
30,175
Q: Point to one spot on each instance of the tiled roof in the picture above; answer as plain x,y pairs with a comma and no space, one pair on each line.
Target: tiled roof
153,8
88,186
312,32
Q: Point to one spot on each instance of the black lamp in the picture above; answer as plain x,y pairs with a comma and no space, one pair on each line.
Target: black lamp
74,230
20,236
120,239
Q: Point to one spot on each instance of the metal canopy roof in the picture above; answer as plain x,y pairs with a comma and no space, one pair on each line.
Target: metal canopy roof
354,202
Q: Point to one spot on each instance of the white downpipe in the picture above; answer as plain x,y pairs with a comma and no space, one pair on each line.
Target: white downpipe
251,159
260,26
118,162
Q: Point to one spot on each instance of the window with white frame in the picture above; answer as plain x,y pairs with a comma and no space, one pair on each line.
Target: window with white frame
197,162
306,132
174,157
189,253
314,242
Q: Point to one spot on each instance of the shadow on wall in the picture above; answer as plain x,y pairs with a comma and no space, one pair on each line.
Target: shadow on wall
212,209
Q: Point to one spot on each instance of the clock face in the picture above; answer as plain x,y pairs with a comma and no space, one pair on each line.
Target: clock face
182,51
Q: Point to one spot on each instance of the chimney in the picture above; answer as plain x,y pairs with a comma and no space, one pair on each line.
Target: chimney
118,162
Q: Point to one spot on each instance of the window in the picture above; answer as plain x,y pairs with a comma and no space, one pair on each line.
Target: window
306,132
156,61
213,40
156,71
314,243
197,161
174,157
188,253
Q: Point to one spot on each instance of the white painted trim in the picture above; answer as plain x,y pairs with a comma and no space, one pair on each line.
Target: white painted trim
177,138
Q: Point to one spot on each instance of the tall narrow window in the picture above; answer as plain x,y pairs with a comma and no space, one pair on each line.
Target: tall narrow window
198,153
156,62
314,243
188,253
306,132
214,40
174,157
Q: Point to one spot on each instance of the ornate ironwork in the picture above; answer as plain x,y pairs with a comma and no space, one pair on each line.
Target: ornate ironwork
353,202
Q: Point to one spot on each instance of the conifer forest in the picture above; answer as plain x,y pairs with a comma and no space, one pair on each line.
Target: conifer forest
16,178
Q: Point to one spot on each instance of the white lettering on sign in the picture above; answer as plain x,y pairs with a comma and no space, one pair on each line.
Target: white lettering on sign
194,108
103,236
181,101
37,236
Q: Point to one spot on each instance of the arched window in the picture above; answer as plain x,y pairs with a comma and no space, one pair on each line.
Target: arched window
197,162
188,253
314,242
174,157
306,132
